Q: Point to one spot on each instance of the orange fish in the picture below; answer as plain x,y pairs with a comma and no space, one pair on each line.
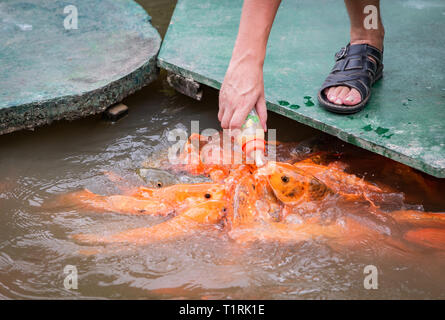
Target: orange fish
279,202
153,201
293,186
189,221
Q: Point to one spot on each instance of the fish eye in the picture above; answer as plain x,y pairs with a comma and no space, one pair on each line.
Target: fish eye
208,195
285,179
159,184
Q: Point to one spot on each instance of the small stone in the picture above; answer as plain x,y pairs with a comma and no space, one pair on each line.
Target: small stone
115,112
185,85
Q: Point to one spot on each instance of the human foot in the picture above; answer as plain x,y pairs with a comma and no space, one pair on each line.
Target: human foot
344,95
347,88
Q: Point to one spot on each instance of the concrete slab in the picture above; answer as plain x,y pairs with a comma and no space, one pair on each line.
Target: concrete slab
49,72
405,118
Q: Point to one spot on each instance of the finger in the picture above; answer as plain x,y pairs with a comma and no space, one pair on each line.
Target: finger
227,117
222,104
220,113
261,109
240,115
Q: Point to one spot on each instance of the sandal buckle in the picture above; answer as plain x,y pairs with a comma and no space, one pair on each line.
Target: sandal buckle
341,54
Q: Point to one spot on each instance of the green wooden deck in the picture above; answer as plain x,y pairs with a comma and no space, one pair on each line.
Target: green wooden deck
48,72
405,119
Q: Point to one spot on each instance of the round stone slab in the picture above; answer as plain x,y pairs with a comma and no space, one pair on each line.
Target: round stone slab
65,60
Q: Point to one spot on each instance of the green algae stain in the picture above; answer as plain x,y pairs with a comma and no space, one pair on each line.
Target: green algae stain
285,103
381,130
367,128
308,101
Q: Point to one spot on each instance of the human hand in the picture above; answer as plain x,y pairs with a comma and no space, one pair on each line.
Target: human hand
241,91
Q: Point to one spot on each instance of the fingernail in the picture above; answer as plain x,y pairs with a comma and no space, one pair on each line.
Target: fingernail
349,98
338,101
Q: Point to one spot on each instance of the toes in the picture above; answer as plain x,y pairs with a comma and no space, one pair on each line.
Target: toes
352,98
326,92
329,93
342,95
333,94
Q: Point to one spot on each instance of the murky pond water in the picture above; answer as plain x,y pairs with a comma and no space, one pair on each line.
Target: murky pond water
36,243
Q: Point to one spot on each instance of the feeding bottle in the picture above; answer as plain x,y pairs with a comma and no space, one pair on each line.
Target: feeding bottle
251,139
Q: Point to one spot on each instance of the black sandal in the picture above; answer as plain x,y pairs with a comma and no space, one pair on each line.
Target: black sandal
354,69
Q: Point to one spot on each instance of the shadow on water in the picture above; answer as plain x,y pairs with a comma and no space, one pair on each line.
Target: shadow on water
35,244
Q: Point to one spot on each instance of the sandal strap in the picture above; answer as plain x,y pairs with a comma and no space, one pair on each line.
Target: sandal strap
353,68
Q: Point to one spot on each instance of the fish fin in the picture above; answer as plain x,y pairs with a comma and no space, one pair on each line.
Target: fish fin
427,237
419,218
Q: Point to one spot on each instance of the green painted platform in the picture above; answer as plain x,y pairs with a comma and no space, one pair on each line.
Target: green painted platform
49,73
405,119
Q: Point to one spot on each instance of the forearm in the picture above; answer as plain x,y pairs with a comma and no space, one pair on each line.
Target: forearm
256,22
243,85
